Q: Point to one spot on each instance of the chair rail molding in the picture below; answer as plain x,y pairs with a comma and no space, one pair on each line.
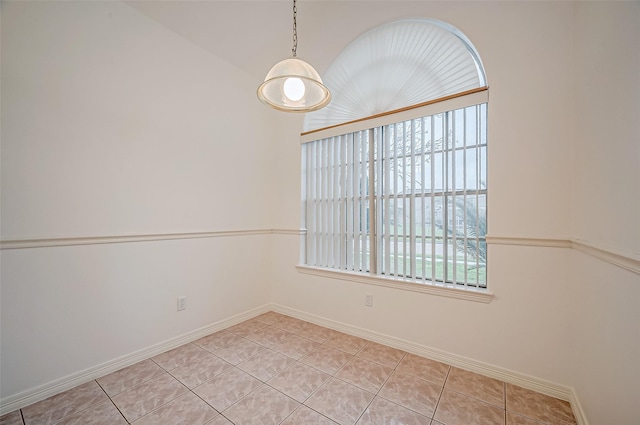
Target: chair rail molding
627,260
97,240
624,259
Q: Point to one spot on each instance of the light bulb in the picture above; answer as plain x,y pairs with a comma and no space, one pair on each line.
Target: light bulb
294,89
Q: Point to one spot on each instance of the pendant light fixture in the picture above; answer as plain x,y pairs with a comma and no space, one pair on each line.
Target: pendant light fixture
292,85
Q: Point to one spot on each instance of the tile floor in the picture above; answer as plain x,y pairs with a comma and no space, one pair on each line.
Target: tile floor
275,369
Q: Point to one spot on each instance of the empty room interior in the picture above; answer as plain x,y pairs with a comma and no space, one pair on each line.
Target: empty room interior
467,206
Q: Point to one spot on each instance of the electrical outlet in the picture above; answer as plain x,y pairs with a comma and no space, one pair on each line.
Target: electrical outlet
182,303
368,300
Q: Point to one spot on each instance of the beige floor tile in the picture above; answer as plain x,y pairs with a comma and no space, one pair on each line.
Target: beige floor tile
386,356
270,317
347,343
334,375
305,416
475,385
340,401
219,420
221,339
146,397
103,413
327,359
245,328
266,364
459,409
412,392
54,409
299,381
130,377
227,388
364,374
382,411
186,409
290,324
200,370
13,418
238,351
295,346
268,336
424,368
183,355
316,333
264,406
515,419
538,406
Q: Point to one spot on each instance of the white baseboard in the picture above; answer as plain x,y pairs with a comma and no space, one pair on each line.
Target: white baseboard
525,381
25,398
18,401
578,412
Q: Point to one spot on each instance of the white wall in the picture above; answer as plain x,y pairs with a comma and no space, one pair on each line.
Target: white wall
111,126
606,210
606,341
68,310
607,129
526,328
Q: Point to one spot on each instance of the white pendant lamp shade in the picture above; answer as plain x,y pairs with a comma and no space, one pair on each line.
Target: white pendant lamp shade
292,85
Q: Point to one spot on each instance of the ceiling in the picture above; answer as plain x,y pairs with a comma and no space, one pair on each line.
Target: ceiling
254,35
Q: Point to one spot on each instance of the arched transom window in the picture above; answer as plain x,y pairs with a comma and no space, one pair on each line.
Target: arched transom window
396,65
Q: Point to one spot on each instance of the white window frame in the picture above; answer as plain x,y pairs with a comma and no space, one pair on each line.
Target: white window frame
330,212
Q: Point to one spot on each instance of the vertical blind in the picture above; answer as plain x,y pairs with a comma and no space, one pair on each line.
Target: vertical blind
407,199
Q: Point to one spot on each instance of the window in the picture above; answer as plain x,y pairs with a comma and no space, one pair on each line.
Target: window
394,173
403,195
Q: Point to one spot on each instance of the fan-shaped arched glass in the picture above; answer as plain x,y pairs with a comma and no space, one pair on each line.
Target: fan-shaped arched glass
395,65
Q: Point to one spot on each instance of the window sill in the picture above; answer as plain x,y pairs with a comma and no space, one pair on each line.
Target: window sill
470,294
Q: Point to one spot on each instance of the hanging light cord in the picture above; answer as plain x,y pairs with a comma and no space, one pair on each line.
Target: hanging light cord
295,30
